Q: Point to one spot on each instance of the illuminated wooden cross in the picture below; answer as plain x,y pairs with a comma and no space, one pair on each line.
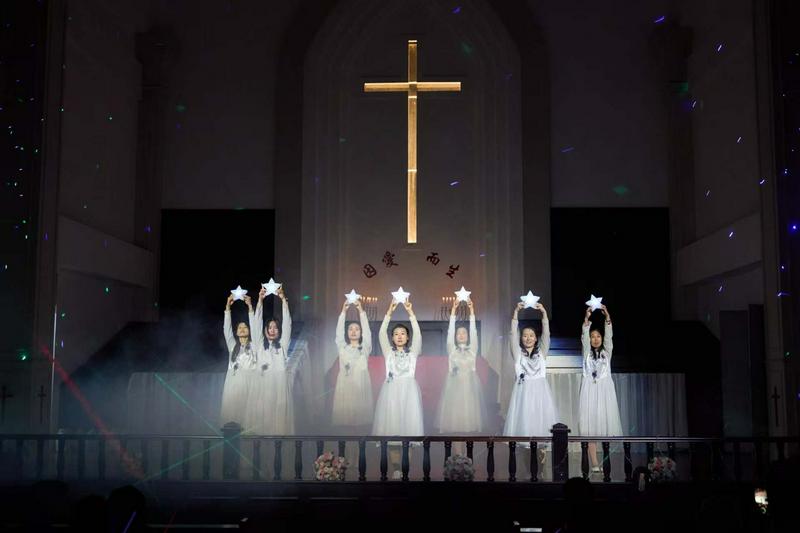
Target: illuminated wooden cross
412,87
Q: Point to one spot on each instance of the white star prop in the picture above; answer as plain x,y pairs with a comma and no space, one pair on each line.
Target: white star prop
530,300
238,293
595,302
352,297
271,286
462,295
400,296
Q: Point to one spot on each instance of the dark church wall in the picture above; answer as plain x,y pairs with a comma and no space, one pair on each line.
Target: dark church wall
219,121
786,65
621,254
96,202
604,99
23,43
725,134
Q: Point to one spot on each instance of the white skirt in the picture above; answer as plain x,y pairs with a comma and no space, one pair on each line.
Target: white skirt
270,410
461,407
531,411
399,409
234,396
598,408
352,399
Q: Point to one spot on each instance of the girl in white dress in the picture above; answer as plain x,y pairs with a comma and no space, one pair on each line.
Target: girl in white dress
399,407
461,408
242,362
273,411
352,397
531,411
598,408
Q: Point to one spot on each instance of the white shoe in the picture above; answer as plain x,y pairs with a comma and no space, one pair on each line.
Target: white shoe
397,474
596,469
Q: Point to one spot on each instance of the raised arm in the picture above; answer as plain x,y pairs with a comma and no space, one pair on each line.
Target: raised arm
383,334
416,340
513,337
257,320
585,343
227,330
366,333
474,342
544,342
608,341
340,333
286,326
451,335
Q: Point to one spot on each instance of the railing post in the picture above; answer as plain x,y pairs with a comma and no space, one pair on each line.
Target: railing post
470,446
187,448
164,459
384,460
20,458
342,448
534,461
230,452
716,460
278,462
101,458
759,451
606,462
448,449
628,466
144,448
512,461
298,459
256,460
362,460
490,461
39,457
405,461
81,457
560,458
585,459
206,459
60,457
426,460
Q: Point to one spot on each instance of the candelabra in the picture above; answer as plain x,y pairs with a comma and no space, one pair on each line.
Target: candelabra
370,306
462,311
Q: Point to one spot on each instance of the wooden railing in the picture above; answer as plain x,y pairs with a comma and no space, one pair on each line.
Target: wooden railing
194,457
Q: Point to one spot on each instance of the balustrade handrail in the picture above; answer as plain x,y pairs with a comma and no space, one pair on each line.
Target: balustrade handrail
710,450
399,438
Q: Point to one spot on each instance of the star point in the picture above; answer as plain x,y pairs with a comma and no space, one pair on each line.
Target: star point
595,302
238,293
462,295
400,296
530,300
352,296
271,286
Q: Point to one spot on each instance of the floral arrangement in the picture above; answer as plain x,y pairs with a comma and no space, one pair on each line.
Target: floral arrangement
662,469
329,467
458,468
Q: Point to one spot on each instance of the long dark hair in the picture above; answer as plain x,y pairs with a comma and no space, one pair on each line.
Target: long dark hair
347,327
536,344
238,347
277,341
408,334
460,325
597,353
